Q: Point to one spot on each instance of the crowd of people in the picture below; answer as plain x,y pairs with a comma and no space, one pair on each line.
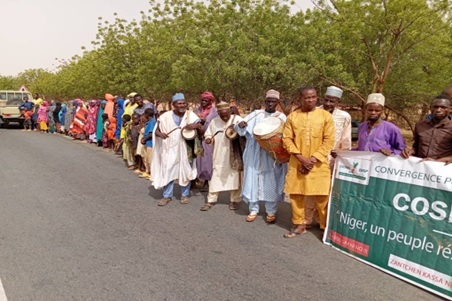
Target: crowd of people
257,158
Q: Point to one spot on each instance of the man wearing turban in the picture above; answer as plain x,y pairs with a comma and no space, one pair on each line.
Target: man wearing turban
206,113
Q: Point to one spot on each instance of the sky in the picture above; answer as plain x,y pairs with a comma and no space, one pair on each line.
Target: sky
36,32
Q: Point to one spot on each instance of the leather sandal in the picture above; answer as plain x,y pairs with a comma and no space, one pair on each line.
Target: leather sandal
251,217
293,233
206,206
184,200
270,218
233,206
164,201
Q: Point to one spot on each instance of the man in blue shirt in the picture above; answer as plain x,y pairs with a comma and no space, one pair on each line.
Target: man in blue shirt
147,141
27,104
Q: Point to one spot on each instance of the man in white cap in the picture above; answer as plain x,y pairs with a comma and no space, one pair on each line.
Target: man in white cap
263,177
226,161
342,121
376,134
171,160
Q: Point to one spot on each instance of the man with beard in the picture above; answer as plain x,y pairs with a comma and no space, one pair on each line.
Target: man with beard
433,137
263,177
172,159
376,134
342,121
206,113
309,138
226,175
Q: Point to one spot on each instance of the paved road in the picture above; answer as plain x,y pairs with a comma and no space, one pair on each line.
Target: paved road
76,225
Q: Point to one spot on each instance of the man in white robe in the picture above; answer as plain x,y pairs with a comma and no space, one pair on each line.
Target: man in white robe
170,161
224,176
342,122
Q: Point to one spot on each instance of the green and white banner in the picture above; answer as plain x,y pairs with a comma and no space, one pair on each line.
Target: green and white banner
395,215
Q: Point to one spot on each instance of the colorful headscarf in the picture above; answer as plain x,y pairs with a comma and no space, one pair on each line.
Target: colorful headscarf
207,95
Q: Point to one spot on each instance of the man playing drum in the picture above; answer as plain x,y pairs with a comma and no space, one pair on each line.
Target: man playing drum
227,164
263,177
309,138
171,158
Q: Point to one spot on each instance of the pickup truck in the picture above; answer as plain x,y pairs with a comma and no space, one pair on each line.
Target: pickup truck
9,107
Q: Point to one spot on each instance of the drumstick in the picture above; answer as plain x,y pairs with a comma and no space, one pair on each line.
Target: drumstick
173,130
253,117
217,132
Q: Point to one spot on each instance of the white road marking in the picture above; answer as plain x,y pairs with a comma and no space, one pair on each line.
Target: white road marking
442,233
2,292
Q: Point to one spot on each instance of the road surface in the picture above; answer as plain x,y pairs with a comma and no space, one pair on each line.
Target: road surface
75,224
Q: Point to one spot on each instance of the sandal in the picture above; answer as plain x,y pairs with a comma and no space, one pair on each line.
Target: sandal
206,206
164,201
251,217
184,200
270,218
233,206
294,233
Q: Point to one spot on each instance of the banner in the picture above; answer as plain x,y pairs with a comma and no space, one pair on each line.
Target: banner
395,215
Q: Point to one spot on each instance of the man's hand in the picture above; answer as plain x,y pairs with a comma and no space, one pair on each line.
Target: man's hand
385,151
142,141
193,126
161,135
208,140
243,124
407,151
334,154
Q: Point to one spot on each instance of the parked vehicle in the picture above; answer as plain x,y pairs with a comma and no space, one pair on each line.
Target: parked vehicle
355,125
9,106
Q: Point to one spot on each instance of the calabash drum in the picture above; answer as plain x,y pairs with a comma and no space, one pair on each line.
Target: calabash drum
188,134
268,133
230,133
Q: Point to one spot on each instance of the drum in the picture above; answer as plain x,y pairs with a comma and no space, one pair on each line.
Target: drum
268,133
230,133
188,134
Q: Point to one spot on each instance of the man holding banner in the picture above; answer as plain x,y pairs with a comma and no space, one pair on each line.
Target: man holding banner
376,134
309,137
433,136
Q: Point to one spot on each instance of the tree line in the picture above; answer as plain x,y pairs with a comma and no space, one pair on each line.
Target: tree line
240,48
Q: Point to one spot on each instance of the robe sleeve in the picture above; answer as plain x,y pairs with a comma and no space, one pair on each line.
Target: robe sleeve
209,131
288,137
346,137
397,141
328,140
242,132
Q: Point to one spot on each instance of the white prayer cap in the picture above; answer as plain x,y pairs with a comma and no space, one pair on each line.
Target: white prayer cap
376,98
272,94
334,91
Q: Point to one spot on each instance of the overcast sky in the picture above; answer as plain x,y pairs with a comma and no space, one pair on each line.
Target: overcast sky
35,32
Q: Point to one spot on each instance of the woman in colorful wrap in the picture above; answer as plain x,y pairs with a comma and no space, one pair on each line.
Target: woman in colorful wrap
91,121
43,117
100,123
119,111
78,123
